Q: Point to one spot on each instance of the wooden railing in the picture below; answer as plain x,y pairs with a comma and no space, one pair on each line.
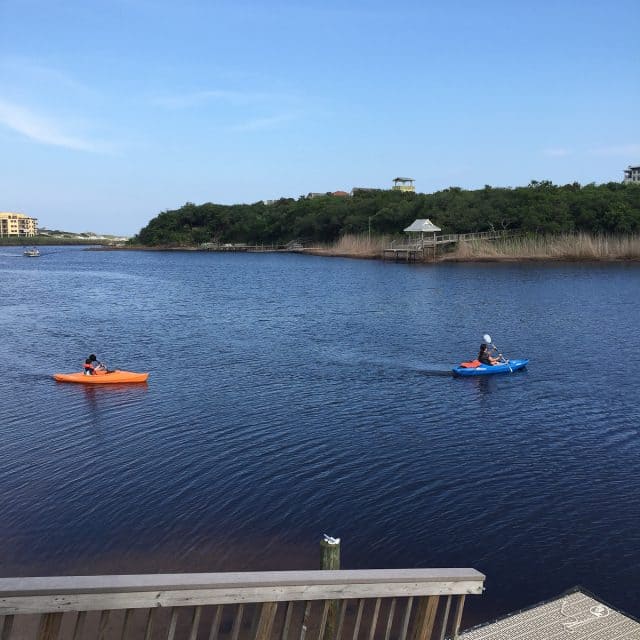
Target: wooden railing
405,604
428,240
410,245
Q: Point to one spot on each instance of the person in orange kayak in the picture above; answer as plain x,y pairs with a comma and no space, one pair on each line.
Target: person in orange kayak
91,364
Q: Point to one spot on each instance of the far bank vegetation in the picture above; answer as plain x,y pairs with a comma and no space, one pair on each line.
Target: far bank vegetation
546,221
563,246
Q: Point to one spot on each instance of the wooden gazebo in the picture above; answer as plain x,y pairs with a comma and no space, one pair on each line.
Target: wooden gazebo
420,227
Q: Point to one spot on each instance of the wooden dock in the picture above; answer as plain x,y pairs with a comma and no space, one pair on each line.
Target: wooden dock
421,250
243,248
574,616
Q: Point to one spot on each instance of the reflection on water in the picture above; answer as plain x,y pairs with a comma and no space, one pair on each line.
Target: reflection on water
292,396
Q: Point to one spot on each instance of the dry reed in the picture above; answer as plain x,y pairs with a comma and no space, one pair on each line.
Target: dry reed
580,246
353,246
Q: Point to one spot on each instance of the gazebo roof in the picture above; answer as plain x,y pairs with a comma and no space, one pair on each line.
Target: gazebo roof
425,226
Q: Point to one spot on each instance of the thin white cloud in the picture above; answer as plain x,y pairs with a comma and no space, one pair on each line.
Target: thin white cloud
262,124
26,70
623,150
42,129
200,98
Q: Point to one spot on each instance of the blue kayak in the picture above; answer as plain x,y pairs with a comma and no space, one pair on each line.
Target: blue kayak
486,370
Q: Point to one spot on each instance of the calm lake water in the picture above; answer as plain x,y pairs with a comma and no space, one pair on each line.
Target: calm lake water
292,396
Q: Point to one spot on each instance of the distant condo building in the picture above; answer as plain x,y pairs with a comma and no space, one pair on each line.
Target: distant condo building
404,184
17,224
632,174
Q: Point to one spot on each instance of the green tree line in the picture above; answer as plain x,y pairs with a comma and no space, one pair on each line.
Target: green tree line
540,207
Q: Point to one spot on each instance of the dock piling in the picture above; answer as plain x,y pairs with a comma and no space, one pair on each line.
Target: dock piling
330,560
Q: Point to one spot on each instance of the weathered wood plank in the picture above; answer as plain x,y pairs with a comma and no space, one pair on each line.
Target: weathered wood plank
392,610
457,617
173,623
305,621
445,619
195,623
95,601
425,618
151,618
287,622
341,615
128,615
237,622
405,621
374,619
6,625
266,620
249,579
215,625
356,626
330,560
50,626
78,628
323,621
102,625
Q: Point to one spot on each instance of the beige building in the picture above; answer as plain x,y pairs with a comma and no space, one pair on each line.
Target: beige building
17,224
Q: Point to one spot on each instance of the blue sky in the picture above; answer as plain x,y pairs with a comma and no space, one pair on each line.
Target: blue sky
111,112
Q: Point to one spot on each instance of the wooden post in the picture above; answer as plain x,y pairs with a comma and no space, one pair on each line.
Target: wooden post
330,553
265,622
457,620
330,560
49,626
425,617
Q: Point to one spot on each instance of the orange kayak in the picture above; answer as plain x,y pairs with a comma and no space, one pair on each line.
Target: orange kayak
107,377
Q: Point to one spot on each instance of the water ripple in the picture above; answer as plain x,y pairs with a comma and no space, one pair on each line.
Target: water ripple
291,396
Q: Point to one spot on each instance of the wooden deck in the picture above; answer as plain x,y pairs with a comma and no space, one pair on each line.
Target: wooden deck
574,616
420,250
405,252
243,248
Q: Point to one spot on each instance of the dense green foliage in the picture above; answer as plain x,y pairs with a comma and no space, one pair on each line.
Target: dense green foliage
540,207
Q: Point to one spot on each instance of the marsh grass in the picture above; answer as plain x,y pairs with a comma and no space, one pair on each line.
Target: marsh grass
580,246
353,246
577,246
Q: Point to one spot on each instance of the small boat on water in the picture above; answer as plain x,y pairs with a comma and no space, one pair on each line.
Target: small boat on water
488,365
31,253
104,377
476,368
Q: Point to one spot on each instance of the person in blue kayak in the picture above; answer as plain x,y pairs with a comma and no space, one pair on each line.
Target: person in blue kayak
485,356
91,365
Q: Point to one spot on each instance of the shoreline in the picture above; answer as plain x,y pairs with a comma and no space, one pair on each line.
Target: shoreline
328,253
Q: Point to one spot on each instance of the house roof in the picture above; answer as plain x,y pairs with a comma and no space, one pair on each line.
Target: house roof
424,225
403,179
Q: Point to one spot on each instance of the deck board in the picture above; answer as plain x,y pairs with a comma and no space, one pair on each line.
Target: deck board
573,616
